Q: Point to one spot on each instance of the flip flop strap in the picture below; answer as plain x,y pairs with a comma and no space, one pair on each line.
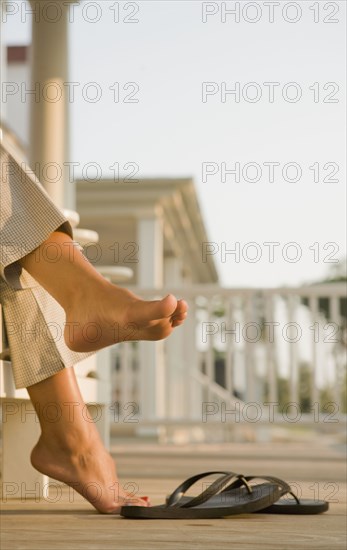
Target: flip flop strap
222,485
283,484
297,500
215,488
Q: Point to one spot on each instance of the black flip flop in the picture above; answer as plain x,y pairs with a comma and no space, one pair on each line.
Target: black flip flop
213,502
292,505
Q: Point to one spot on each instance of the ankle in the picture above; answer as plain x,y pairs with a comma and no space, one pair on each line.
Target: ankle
69,442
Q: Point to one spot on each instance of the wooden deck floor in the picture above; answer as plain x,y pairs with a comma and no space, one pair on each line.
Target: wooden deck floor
316,468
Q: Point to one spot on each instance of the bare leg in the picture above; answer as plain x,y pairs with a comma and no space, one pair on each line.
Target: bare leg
70,449
98,313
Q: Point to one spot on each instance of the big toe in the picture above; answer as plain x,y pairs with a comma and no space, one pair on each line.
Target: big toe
155,310
169,305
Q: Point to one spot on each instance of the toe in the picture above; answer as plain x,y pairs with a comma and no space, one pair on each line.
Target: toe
181,309
179,316
139,501
177,321
182,306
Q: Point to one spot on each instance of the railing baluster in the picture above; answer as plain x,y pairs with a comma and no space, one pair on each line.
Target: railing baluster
248,351
125,374
270,349
293,353
229,353
335,318
210,370
313,301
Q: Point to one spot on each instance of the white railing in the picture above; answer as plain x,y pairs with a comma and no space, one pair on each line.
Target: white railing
250,354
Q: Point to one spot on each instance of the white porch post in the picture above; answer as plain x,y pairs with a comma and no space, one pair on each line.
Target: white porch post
49,138
150,275
48,115
177,372
150,241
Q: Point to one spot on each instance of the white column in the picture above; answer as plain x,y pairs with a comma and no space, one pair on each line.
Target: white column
173,270
48,115
177,372
150,240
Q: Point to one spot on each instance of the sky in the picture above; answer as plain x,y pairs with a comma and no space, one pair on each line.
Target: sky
153,85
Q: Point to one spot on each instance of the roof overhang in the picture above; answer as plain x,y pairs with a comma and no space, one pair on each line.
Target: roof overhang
172,199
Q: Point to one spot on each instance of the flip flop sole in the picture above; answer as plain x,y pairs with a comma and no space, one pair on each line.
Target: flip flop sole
223,505
286,506
290,506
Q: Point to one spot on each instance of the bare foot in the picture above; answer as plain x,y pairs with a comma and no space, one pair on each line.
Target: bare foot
90,471
98,313
110,314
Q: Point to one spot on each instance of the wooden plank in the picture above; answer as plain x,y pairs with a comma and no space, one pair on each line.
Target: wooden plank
72,523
